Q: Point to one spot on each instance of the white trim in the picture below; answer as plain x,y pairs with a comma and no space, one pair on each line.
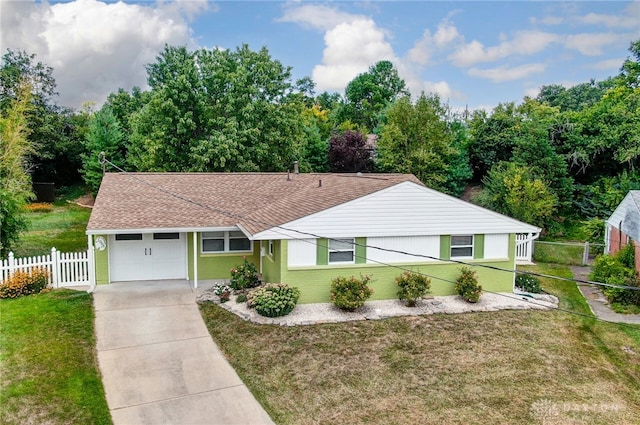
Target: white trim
195,260
166,230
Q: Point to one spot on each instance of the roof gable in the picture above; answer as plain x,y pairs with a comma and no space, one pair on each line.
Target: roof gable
255,201
626,216
404,209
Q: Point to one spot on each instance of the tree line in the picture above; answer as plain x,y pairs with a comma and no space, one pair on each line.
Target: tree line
570,153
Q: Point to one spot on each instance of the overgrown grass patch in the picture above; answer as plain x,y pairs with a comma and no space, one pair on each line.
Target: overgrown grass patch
481,368
552,252
48,361
63,228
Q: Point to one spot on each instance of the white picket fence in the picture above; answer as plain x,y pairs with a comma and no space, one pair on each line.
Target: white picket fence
524,248
65,268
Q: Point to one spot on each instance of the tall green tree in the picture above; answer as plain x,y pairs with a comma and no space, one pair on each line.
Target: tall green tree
15,183
513,190
418,139
218,110
104,135
370,92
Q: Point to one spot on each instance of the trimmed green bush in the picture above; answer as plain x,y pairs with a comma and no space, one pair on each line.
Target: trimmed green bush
244,276
350,293
24,283
273,299
413,286
528,283
611,269
467,285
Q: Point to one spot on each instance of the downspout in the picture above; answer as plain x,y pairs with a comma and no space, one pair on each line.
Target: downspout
195,260
91,257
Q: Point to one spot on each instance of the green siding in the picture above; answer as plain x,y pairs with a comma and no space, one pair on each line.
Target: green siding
218,266
322,252
445,247
478,247
361,251
314,282
102,262
271,267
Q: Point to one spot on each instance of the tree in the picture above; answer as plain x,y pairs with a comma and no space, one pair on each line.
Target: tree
417,139
56,148
104,135
15,184
218,110
369,93
513,190
350,153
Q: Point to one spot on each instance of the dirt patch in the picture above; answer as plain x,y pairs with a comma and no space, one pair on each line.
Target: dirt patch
85,201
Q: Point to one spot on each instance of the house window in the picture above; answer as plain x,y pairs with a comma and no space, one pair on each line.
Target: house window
129,237
165,236
462,246
341,250
271,248
231,241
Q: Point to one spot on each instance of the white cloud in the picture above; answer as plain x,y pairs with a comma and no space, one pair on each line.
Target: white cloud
426,46
629,19
503,73
351,48
547,20
95,47
523,43
613,64
590,44
317,16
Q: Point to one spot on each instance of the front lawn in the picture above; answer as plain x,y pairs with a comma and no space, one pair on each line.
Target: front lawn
48,361
511,367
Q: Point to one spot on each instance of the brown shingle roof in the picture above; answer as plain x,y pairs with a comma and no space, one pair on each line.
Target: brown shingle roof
257,201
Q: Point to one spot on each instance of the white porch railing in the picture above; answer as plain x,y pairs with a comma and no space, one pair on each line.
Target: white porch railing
524,247
65,268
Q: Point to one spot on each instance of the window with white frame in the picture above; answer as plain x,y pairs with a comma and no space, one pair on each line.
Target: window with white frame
462,246
225,241
341,250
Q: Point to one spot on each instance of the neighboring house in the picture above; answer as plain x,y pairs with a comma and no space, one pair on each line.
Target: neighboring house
623,227
299,229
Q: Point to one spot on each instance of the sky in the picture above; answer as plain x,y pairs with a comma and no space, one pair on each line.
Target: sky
473,54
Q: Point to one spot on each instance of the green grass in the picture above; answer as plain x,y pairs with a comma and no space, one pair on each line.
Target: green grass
510,367
63,228
560,254
48,361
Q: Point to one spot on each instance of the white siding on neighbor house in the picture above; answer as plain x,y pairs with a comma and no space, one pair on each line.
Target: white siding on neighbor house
422,245
496,245
627,215
301,252
406,209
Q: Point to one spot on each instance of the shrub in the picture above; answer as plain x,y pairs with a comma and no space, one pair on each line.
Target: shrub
350,293
24,283
412,287
627,256
273,299
606,267
528,283
223,291
467,285
241,298
622,295
244,276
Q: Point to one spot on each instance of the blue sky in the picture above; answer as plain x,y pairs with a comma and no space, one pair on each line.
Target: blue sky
473,53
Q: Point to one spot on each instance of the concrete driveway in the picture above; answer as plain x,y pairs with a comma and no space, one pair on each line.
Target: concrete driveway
159,364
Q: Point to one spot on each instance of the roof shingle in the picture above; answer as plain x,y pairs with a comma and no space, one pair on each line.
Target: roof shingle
257,201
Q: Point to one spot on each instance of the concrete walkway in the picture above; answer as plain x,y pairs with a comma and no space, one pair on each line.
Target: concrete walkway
159,364
598,302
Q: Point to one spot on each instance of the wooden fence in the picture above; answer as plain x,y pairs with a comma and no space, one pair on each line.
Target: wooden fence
65,268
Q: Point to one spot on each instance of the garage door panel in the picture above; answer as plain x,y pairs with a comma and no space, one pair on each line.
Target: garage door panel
153,256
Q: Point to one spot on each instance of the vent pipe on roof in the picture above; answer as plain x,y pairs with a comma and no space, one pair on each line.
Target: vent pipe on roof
319,182
295,167
288,176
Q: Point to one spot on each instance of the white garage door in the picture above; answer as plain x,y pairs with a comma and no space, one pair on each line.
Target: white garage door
147,256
